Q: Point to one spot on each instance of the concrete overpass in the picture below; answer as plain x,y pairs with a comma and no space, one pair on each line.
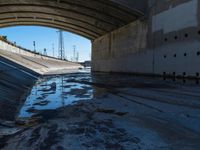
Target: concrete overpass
89,18
129,36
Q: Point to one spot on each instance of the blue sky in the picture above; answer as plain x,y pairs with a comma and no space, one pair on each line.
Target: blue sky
45,38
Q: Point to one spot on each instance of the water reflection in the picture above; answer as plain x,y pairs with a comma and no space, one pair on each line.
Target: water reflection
55,92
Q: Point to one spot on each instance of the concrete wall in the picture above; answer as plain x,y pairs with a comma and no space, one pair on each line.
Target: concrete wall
174,36
122,50
11,48
167,42
8,47
176,18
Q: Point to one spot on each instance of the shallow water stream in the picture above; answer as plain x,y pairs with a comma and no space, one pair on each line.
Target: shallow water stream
55,92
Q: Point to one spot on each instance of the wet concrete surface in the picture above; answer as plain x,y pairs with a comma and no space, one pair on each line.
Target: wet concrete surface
83,111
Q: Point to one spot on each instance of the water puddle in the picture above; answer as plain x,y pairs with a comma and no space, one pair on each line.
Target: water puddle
54,92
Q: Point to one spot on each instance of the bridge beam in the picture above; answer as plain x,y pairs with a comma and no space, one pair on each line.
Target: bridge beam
87,18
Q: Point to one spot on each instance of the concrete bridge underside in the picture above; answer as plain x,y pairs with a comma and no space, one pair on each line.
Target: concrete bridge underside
88,18
129,36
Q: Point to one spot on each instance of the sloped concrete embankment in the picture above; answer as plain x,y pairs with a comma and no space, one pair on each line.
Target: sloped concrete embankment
15,80
40,64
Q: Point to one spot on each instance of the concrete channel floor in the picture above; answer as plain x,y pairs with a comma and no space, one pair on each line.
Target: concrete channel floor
121,113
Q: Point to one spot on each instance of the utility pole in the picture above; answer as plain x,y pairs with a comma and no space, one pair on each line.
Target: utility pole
77,57
53,50
61,50
74,53
34,46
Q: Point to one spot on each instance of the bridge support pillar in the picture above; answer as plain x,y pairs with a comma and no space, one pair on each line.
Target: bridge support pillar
123,50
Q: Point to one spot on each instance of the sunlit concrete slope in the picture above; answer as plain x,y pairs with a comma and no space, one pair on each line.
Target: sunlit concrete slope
42,65
34,62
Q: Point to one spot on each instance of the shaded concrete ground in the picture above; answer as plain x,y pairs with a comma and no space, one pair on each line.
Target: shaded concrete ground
111,112
14,82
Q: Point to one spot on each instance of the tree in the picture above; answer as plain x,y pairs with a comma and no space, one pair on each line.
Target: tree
4,37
